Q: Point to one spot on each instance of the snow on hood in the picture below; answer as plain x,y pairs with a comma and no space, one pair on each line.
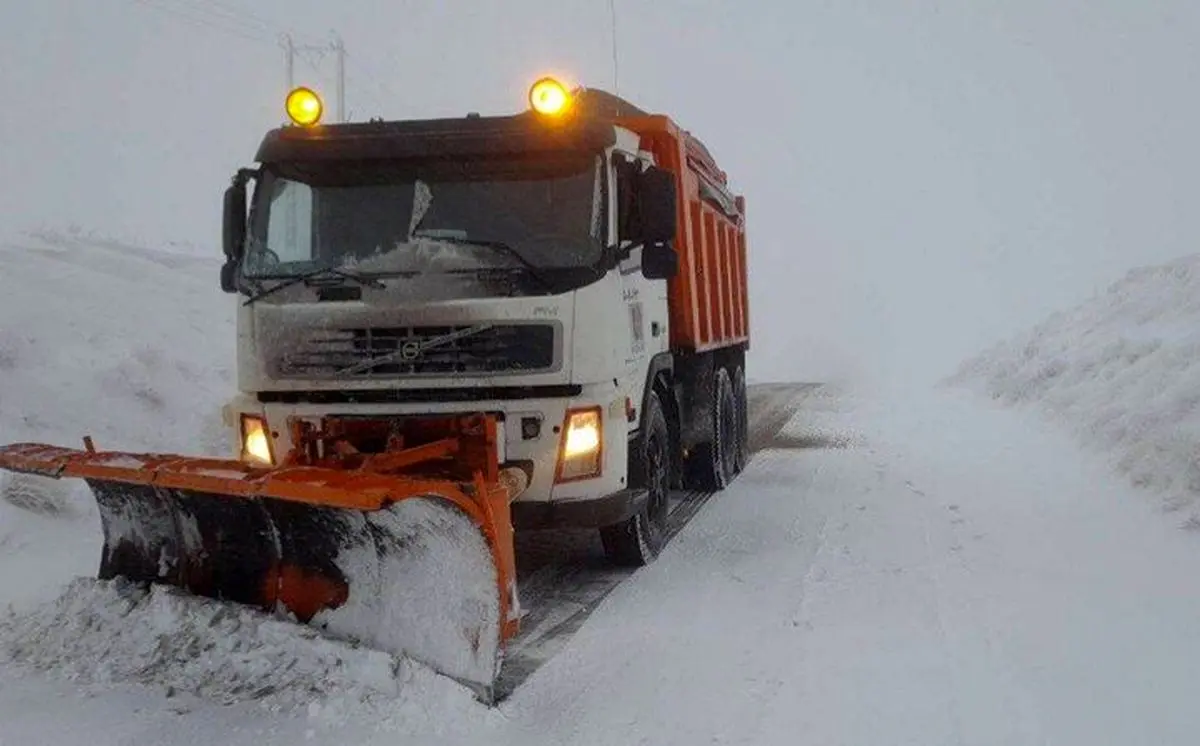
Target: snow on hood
429,256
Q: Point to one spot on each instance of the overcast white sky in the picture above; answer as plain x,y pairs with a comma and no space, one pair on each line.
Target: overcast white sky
921,177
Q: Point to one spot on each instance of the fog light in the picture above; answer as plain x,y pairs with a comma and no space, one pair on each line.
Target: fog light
531,428
256,440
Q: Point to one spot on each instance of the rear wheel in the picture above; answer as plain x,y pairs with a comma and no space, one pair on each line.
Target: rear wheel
743,419
639,539
712,464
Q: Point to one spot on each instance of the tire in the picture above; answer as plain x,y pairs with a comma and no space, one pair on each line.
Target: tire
742,403
638,540
712,465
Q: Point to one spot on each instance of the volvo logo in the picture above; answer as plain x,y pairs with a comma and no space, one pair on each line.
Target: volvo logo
410,350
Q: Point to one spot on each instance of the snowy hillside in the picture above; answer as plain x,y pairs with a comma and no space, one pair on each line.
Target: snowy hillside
1122,371
129,344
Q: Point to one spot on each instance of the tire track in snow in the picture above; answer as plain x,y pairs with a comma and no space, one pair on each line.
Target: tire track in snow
1016,721
939,611
1018,711
795,618
873,663
742,559
563,576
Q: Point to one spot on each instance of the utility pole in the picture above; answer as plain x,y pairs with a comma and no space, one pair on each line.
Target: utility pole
340,49
290,56
290,48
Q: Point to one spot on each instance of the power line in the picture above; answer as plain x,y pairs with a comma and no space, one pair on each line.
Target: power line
292,50
219,15
202,20
241,13
232,19
375,81
226,13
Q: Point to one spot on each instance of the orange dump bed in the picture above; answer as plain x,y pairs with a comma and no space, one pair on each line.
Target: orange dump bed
709,307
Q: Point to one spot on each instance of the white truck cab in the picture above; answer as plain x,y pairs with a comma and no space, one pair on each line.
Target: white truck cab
516,265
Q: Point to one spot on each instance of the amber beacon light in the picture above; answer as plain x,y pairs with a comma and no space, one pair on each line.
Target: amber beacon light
549,97
304,107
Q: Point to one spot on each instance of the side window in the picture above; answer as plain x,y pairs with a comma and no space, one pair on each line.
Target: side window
290,228
600,206
623,167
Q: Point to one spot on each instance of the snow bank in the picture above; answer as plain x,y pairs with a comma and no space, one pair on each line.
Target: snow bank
121,633
42,550
133,345
118,632
36,494
100,336
1122,370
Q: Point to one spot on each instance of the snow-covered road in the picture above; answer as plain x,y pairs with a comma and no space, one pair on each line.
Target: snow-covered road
950,574
981,581
962,576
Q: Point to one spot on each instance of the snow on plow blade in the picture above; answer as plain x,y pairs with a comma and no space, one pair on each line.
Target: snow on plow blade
410,563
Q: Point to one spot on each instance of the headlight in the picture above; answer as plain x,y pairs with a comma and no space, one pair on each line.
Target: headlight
582,445
256,440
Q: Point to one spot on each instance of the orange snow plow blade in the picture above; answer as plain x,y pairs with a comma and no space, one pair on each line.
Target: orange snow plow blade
408,549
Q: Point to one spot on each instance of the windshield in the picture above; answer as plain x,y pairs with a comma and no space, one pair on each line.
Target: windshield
530,216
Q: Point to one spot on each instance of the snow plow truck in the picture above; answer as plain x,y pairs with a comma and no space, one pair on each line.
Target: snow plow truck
448,330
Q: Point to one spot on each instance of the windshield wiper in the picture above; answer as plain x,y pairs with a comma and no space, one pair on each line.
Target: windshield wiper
305,276
534,271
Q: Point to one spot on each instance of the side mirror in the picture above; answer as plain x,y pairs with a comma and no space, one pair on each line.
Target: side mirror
234,232
659,261
656,205
229,276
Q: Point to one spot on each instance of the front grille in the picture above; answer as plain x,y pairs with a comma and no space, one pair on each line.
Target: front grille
388,352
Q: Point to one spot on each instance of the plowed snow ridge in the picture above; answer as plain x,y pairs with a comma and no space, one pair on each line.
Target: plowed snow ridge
105,632
1122,371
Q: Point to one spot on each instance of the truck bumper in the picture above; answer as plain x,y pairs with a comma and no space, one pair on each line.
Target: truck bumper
591,513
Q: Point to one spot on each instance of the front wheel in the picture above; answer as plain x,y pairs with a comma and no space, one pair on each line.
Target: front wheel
638,540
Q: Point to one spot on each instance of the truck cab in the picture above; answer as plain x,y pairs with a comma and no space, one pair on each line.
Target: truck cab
525,266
